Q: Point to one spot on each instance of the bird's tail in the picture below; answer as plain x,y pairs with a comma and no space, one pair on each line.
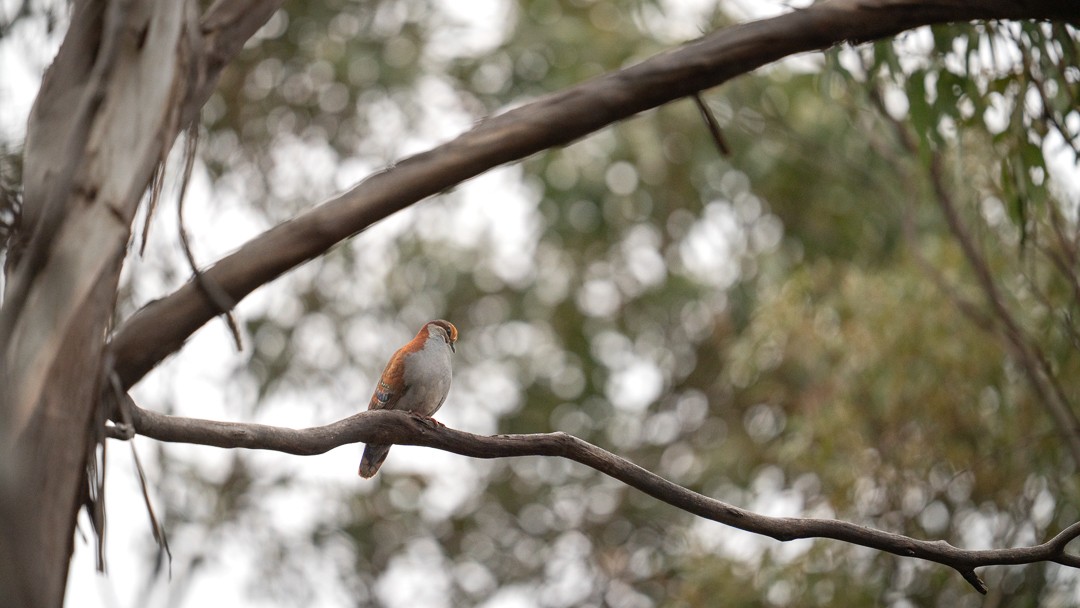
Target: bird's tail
373,457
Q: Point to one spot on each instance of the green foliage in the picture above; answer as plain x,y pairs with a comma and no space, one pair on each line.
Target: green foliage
1013,85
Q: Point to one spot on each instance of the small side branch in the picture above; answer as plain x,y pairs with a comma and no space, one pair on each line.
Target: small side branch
400,428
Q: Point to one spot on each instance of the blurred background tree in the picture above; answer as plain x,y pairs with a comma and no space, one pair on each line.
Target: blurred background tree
797,328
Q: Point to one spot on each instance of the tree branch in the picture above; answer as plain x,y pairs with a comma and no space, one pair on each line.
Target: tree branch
226,26
161,327
1031,358
386,426
1024,349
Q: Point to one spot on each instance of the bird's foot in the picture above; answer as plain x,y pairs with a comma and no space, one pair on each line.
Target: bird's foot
428,420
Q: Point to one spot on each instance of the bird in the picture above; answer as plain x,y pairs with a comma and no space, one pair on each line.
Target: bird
416,380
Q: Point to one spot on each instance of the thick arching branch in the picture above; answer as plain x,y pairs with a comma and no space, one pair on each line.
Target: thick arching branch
162,326
384,426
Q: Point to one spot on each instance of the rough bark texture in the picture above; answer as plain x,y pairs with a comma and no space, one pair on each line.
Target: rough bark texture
130,75
98,126
109,109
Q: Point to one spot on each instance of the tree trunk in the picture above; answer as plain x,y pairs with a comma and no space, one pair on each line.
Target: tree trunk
106,114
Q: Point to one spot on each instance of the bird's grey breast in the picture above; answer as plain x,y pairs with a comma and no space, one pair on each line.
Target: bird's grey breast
427,374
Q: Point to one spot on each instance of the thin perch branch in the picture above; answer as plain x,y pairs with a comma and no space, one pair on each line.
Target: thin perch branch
386,426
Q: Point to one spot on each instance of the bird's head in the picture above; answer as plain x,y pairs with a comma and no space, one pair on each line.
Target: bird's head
445,330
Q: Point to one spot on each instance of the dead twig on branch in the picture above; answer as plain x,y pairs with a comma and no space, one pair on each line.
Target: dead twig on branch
392,427
217,295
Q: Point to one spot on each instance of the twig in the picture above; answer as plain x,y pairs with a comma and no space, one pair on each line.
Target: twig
392,427
122,412
712,124
220,299
156,528
95,500
156,182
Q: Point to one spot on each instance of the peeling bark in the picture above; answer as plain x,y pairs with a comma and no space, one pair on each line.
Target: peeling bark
108,111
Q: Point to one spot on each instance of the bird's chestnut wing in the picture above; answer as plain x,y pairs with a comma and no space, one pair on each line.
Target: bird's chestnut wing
391,385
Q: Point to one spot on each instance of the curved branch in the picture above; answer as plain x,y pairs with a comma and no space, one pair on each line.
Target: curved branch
385,426
161,327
